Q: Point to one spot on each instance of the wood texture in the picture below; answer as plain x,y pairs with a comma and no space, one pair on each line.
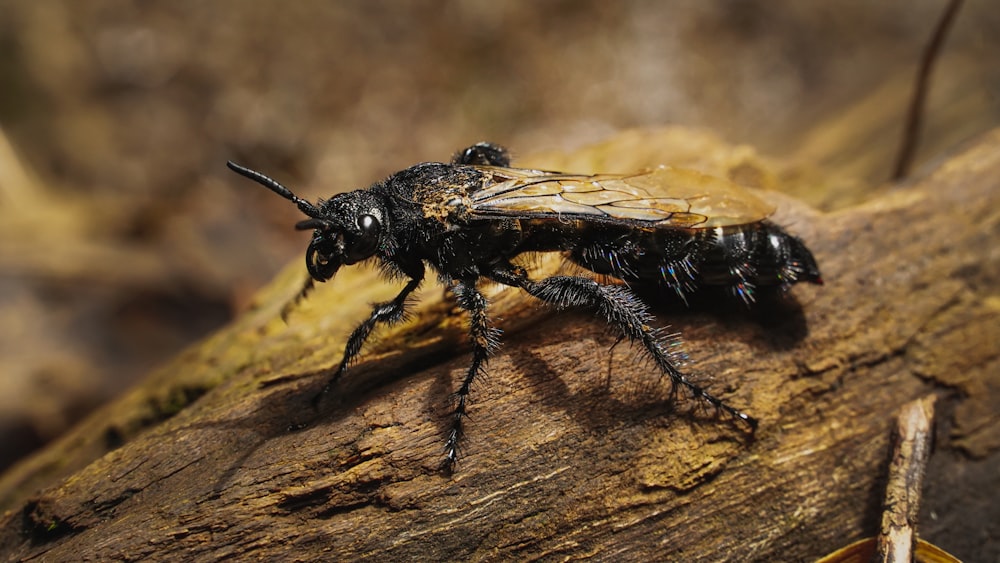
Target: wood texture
569,454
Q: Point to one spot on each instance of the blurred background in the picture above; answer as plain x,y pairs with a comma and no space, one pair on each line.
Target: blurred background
123,238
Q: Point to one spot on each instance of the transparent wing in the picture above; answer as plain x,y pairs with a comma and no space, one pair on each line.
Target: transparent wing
660,197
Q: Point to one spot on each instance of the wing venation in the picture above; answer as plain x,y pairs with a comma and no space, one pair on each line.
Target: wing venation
660,197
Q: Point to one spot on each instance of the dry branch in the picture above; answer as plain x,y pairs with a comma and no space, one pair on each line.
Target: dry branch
563,459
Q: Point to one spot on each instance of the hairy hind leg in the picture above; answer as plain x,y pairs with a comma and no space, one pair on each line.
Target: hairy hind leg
623,310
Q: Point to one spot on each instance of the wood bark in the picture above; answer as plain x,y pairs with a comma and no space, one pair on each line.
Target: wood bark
572,450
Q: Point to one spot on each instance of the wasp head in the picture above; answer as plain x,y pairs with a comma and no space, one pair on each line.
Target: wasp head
347,228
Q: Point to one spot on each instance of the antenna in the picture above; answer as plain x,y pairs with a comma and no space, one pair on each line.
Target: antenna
276,187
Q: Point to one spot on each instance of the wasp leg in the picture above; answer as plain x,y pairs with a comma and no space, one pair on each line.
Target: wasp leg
622,309
485,340
387,312
484,154
292,303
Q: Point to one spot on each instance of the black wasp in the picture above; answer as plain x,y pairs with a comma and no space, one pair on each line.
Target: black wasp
472,218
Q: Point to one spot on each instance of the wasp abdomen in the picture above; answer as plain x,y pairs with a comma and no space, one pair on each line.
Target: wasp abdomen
760,254
740,258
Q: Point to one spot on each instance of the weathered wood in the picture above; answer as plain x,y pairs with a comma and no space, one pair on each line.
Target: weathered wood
911,446
563,459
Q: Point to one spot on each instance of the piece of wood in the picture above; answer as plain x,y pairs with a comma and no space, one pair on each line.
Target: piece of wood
563,459
911,446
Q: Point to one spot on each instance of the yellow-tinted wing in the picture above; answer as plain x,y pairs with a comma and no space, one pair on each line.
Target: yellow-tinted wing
660,197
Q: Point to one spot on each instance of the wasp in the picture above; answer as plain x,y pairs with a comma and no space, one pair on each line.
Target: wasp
470,220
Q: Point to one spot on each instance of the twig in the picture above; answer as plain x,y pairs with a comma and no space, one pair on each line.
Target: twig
911,134
910,450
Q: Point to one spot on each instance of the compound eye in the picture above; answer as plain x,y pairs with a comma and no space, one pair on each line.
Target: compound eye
367,243
369,226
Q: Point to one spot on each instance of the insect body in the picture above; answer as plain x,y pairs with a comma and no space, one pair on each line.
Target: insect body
471,219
